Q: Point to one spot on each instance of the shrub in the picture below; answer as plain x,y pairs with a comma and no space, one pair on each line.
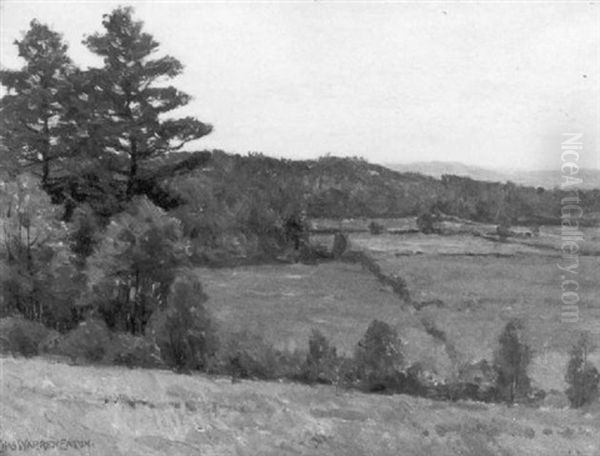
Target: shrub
503,229
340,244
290,365
425,223
19,336
379,360
582,376
133,351
511,362
480,373
376,228
246,355
398,285
346,373
321,360
184,331
88,342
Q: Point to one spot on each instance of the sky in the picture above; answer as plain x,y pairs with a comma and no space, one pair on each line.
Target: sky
492,84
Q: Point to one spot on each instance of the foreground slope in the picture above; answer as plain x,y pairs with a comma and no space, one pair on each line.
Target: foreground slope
149,412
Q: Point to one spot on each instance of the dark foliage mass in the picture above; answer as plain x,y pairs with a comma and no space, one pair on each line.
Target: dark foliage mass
183,330
582,376
131,270
511,363
379,358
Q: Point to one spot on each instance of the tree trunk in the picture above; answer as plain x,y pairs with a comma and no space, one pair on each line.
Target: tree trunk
133,168
46,154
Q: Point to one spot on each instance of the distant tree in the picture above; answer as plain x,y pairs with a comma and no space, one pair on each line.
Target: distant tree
426,222
582,376
130,102
379,359
36,124
340,244
376,228
296,229
511,362
134,264
503,228
322,359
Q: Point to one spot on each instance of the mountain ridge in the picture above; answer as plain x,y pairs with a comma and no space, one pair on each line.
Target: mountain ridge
545,178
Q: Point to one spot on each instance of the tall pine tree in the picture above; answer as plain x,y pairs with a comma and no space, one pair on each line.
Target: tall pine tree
130,104
35,120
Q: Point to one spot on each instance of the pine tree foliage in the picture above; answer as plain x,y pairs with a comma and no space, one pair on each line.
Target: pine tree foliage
130,98
36,121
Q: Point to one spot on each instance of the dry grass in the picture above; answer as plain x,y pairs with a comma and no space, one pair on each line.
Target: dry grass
283,303
152,413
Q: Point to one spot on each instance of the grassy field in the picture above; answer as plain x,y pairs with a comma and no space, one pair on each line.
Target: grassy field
481,283
458,238
284,303
433,244
154,413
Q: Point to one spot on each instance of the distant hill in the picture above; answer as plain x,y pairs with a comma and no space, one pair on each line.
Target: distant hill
350,187
547,179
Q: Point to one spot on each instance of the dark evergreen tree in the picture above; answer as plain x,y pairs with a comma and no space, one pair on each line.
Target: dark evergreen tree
129,103
36,124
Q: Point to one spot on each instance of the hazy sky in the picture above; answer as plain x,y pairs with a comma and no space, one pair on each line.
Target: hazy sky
491,84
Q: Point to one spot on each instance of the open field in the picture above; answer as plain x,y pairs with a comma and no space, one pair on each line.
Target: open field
284,303
482,293
403,232
484,283
148,412
481,283
461,244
